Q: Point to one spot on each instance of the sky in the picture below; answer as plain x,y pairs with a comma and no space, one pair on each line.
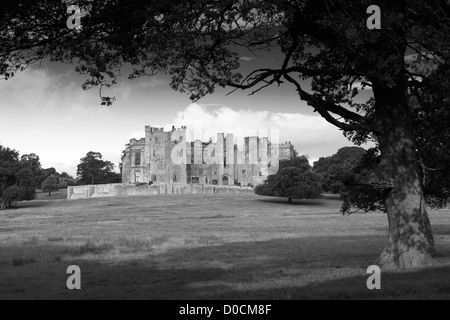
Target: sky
45,111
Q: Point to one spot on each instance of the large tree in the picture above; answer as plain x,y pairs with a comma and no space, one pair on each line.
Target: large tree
336,168
16,178
294,180
94,170
326,51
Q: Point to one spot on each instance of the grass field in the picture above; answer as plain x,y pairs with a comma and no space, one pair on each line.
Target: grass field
204,247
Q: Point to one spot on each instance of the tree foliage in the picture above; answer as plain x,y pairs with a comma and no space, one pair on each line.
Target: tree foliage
16,179
335,169
66,180
294,180
94,170
50,184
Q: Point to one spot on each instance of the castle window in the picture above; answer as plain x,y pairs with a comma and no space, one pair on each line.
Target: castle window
153,177
137,158
174,178
215,173
244,171
189,180
215,182
154,153
195,180
137,176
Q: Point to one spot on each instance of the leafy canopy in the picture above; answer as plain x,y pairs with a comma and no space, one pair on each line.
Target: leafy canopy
94,170
16,179
50,184
294,180
335,169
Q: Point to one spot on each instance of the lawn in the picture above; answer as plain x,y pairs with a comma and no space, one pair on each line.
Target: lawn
204,247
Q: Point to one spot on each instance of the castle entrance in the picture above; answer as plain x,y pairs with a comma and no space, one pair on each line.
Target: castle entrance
225,181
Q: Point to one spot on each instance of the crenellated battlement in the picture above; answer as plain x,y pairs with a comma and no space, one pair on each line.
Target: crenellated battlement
134,142
151,129
284,144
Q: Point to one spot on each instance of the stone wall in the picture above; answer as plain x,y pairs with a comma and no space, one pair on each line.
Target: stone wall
114,190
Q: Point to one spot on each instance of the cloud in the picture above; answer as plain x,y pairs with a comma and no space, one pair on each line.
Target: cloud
50,115
311,135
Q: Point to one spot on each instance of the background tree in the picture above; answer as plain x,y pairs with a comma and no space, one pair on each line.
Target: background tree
294,180
42,174
11,195
16,179
9,167
94,170
50,184
327,54
32,162
336,168
66,180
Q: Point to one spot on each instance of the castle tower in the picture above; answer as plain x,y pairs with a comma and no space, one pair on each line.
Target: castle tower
178,156
133,162
159,155
263,157
229,162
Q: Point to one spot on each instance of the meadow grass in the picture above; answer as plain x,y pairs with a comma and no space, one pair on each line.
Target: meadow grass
205,247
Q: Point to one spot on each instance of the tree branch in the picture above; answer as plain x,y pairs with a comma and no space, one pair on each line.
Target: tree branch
324,108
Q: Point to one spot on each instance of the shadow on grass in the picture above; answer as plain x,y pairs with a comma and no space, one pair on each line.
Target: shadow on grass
441,230
428,284
13,208
34,204
282,201
297,268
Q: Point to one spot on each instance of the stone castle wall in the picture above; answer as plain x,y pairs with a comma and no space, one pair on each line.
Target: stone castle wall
116,190
197,162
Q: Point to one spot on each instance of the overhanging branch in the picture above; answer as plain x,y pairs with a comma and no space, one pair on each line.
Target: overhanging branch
325,107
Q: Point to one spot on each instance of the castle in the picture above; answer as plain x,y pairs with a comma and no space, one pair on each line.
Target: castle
168,158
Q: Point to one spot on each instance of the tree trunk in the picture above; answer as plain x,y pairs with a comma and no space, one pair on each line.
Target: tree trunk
290,200
411,243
